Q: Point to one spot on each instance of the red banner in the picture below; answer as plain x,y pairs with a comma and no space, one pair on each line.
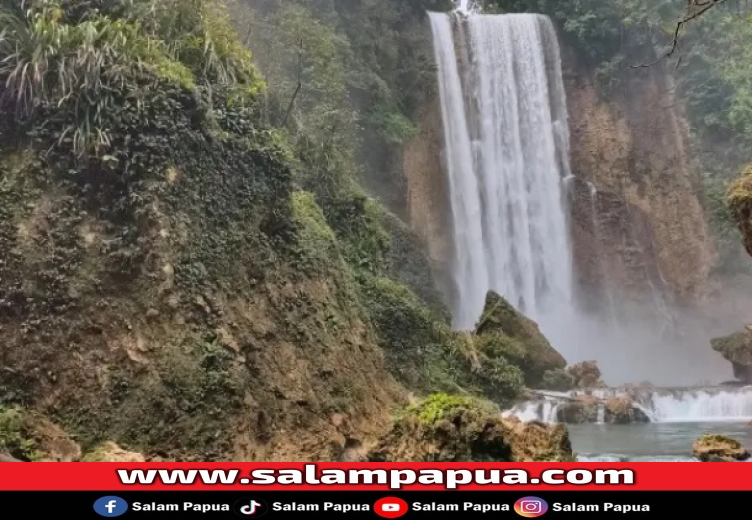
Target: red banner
294,476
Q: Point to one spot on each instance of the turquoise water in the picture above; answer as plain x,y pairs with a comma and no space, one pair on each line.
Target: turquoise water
651,442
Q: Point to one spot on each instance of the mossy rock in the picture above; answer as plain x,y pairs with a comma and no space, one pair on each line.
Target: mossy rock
739,198
719,448
437,407
737,350
447,428
518,339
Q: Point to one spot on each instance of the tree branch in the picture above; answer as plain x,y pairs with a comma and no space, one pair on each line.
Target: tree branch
300,83
695,9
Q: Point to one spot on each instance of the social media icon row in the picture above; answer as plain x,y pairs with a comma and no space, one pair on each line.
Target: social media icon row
389,507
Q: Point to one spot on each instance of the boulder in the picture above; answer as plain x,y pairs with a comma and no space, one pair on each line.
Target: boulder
592,410
623,411
445,428
737,350
718,448
586,375
518,339
111,452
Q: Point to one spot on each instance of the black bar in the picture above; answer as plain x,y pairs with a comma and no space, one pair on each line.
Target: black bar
330,505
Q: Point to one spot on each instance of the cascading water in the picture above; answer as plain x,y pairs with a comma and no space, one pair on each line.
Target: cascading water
700,405
506,156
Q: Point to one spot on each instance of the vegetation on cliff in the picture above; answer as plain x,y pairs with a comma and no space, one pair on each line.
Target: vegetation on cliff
191,270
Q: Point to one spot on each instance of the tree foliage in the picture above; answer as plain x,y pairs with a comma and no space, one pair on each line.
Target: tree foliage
345,77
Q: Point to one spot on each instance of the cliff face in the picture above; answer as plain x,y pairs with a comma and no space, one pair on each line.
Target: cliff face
428,207
637,220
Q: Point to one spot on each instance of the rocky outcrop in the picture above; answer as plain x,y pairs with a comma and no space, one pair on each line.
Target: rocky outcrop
737,350
740,202
586,375
445,428
505,332
718,448
593,410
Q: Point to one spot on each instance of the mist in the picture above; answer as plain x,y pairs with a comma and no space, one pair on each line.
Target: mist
636,351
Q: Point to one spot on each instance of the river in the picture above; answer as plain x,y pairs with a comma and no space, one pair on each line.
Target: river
677,417
651,442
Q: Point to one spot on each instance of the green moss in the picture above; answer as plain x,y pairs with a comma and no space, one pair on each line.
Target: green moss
357,220
175,72
315,242
194,393
97,455
736,348
740,191
436,407
13,435
497,346
713,440
503,331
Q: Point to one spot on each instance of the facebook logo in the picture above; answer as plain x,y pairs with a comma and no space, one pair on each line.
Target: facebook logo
110,506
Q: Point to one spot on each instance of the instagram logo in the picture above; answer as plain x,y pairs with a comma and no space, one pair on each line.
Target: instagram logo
531,507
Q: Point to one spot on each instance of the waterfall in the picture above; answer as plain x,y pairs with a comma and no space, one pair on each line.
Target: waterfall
659,405
506,157
703,406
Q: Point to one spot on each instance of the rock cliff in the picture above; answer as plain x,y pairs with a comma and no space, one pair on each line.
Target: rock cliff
637,218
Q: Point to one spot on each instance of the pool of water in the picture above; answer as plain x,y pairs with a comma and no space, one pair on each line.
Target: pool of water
652,442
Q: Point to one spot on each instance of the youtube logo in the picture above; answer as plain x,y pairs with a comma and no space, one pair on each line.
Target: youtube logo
390,507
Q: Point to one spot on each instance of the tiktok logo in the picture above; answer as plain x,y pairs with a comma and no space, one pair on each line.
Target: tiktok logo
251,507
